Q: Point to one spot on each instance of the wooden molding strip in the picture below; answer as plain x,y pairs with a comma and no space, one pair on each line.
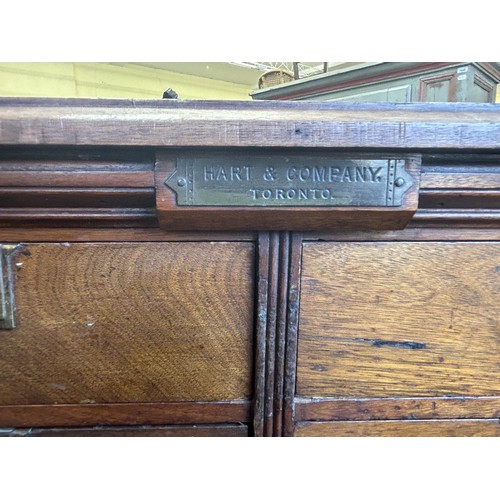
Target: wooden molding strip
411,233
398,408
277,313
292,329
124,414
44,234
132,431
401,428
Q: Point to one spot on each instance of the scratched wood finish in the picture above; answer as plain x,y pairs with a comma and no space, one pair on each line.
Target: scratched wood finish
64,187
449,178
44,234
80,197
398,408
480,218
177,123
270,340
427,428
292,325
90,414
277,307
399,319
437,199
71,217
129,431
261,313
130,323
75,174
410,233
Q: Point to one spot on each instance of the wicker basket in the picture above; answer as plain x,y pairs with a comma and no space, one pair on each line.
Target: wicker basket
274,77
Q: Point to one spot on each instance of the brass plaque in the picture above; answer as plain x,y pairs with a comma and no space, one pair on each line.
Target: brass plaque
294,181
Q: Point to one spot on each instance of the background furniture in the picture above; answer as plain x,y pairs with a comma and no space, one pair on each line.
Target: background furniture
395,82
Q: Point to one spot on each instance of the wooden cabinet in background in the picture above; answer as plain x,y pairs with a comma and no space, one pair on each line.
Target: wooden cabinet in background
394,82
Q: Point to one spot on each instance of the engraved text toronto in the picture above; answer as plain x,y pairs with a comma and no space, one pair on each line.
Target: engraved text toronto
289,181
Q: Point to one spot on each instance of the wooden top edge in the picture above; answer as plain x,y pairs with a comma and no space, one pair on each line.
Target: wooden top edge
200,104
175,123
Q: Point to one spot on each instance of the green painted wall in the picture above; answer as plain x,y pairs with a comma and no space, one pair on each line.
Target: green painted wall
125,80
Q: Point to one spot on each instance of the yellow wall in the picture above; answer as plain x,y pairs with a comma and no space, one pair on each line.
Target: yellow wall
125,80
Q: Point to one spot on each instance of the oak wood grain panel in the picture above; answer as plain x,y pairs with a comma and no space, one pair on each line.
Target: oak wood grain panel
90,414
399,319
397,408
415,428
131,322
129,431
167,123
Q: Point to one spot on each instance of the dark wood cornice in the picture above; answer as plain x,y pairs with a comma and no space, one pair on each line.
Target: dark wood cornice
91,163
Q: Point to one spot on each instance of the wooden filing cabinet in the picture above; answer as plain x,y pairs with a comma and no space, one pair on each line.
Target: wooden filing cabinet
247,320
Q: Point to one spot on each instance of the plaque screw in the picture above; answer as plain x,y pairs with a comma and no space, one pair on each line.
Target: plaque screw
399,182
181,182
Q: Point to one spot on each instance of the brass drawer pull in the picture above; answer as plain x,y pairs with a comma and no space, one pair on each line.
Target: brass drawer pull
7,303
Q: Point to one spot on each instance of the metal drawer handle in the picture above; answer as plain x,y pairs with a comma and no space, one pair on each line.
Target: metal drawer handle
7,303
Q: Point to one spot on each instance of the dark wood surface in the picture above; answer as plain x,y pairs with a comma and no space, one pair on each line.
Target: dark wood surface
281,331
292,326
266,353
351,328
53,190
66,188
277,316
175,123
125,322
398,408
399,319
84,185
394,428
130,431
44,234
411,233
90,414
263,268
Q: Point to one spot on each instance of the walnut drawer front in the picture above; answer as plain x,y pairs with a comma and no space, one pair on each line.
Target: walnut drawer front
399,319
130,323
